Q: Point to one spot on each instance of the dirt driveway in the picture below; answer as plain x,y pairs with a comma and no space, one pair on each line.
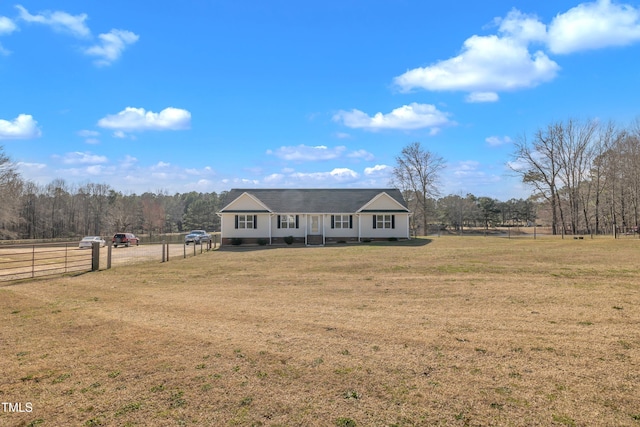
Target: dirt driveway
28,261
144,253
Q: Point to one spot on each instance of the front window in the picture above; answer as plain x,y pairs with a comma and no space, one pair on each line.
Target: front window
341,221
383,221
246,221
287,221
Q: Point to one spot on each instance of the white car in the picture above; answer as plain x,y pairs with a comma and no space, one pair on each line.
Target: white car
197,237
87,242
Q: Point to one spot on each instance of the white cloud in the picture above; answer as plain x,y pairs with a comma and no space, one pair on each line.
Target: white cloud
489,64
22,127
35,172
7,26
407,117
594,25
128,161
307,153
475,97
78,157
465,168
108,48
336,176
507,61
94,170
518,165
361,154
31,166
471,176
495,141
137,119
58,21
377,170
111,46
522,27
90,136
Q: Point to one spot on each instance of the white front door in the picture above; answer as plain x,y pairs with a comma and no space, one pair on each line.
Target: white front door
314,224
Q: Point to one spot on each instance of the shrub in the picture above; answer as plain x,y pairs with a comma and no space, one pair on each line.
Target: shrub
393,239
262,241
236,241
288,240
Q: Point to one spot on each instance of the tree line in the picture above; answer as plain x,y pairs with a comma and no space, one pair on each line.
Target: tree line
586,173
60,210
584,177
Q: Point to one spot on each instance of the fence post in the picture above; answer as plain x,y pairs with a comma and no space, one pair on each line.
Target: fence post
33,261
95,256
167,252
164,246
109,248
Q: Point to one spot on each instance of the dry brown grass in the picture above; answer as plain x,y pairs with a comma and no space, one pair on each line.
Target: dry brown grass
454,331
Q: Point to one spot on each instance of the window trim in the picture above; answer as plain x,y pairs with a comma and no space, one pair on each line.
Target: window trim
342,221
384,221
242,222
288,221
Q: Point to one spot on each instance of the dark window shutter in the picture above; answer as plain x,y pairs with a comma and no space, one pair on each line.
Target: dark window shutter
297,221
278,221
333,221
393,221
350,221
374,222
255,221
236,221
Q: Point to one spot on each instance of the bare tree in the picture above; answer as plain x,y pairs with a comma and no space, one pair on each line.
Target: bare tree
598,177
416,174
10,188
537,163
575,142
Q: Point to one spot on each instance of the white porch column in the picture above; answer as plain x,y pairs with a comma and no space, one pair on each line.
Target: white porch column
409,229
324,227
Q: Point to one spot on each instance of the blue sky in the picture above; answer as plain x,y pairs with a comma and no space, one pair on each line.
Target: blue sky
210,95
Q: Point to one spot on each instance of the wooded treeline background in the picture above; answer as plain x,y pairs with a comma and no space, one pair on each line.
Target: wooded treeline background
585,178
586,174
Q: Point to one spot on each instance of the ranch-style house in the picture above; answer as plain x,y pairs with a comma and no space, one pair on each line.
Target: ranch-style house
313,216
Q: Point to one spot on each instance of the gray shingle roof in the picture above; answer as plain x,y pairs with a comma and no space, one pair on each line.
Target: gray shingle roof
315,200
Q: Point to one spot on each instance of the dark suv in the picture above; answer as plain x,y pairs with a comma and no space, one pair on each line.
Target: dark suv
125,239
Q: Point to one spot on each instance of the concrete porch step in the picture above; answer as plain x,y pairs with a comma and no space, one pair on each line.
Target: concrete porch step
314,240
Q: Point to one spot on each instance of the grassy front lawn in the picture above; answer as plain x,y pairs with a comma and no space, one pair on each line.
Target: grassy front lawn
448,331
